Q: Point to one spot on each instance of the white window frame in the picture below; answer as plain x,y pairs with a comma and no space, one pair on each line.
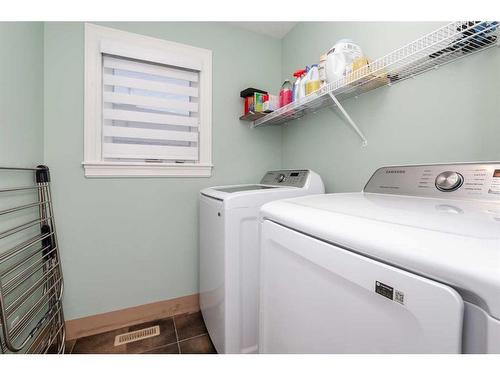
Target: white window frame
154,50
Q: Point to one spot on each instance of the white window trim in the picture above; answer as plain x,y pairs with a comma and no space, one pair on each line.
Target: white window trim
155,50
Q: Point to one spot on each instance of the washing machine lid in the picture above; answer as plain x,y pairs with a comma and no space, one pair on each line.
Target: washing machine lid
456,242
239,188
232,191
279,184
251,195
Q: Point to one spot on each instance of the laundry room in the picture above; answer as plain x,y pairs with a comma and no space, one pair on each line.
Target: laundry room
248,185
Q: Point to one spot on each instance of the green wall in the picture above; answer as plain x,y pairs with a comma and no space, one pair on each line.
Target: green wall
21,93
127,242
449,114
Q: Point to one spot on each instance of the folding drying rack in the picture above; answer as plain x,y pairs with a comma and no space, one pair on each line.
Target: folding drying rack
31,280
442,46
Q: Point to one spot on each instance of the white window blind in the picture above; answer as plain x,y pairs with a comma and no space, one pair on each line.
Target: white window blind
148,106
150,112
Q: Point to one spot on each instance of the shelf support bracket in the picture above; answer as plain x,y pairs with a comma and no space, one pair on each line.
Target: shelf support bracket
349,119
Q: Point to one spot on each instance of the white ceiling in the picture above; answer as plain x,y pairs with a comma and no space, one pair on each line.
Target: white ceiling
274,29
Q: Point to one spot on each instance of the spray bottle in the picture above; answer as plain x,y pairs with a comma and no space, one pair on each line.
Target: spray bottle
296,86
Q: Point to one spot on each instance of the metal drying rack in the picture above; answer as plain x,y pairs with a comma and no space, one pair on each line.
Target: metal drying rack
31,280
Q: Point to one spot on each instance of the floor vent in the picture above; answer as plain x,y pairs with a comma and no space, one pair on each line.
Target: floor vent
138,335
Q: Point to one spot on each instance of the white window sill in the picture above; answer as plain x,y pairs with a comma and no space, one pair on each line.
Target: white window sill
117,169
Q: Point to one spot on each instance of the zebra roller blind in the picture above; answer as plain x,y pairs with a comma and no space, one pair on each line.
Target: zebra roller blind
150,111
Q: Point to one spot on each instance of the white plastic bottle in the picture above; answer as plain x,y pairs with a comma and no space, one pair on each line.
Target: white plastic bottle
313,82
322,70
303,83
296,86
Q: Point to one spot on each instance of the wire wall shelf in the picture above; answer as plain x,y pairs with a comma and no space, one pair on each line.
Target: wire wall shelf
447,44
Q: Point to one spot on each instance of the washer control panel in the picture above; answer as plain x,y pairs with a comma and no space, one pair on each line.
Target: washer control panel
465,180
295,178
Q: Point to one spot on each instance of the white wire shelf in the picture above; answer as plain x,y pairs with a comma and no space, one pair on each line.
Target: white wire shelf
447,44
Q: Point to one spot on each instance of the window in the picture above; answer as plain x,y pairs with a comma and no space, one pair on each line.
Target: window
148,106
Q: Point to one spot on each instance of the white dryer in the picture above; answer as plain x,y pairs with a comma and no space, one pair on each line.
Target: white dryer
409,265
229,254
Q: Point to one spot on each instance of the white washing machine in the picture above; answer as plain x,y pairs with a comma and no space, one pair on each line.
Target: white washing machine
229,254
409,265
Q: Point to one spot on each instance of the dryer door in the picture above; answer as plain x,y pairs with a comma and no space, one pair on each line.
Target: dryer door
319,298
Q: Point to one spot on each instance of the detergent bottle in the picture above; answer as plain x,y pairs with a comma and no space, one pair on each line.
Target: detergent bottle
313,82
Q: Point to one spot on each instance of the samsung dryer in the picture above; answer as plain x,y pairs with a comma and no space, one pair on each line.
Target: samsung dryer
409,265
229,254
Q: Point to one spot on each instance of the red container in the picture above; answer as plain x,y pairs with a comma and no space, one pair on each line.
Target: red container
286,93
248,104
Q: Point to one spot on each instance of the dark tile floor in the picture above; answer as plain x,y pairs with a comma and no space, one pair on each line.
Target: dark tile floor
181,334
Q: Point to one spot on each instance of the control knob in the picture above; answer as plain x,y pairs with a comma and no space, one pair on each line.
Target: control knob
449,181
281,177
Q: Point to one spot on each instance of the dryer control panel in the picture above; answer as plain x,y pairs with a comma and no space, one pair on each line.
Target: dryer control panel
462,181
294,178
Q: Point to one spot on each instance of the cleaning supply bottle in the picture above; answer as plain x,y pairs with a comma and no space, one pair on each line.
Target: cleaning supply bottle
322,69
303,82
286,93
313,82
296,86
